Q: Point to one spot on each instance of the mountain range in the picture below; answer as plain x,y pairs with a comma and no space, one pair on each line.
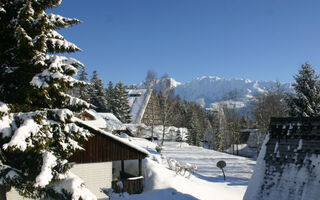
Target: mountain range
209,91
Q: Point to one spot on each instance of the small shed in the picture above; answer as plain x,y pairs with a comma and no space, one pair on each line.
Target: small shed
101,151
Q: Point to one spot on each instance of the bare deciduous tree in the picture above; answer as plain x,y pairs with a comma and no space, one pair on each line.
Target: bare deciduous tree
265,106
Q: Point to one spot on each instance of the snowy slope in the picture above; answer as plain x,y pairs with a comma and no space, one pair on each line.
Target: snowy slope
207,182
207,90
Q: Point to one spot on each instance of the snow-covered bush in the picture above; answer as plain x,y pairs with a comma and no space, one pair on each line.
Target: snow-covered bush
182,169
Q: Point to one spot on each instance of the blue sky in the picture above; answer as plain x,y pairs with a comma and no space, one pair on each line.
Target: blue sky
255,39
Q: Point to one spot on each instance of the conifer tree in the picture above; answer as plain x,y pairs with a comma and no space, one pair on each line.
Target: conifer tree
306,102
110,97
121,103
38,132
97,93
84,87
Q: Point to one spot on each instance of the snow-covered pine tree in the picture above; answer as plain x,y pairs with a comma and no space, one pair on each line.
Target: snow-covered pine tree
97,93
110,97
306,102
37,128
83,88
121,103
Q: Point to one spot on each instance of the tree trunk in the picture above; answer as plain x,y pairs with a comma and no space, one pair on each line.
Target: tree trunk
232,149
163,131
237,149
3,191
152,132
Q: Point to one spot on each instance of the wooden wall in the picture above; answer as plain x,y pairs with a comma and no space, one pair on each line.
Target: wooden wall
102,148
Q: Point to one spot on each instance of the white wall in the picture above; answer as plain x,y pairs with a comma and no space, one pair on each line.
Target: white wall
95,176
13,195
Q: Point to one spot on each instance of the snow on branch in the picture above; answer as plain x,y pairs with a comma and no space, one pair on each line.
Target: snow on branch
74,101
34,130
5,121
60,69
2,9
62,45
72,184
19,138
58,21
45,176
56,35
3,107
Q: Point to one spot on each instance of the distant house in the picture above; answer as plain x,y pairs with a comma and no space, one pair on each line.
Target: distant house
288,166
145,112
250,137
95,165
143,107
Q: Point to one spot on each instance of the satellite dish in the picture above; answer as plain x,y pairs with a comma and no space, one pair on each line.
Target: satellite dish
222,164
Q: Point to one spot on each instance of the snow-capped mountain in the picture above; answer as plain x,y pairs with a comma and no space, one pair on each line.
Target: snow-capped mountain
166,84
207,91
211,91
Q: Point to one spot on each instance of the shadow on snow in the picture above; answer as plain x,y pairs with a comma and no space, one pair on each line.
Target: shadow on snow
231,181
159,194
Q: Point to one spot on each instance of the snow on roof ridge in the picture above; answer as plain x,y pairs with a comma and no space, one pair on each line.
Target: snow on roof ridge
142,150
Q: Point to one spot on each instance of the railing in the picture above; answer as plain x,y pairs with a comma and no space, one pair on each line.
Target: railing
132,185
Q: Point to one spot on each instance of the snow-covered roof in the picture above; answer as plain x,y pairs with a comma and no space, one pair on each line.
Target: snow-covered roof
138,101
105,121
288,164
123,141
171,133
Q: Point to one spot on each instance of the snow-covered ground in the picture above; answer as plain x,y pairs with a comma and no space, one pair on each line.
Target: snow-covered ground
206,183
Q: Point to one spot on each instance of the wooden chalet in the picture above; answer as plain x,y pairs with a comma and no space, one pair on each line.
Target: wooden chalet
104,147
